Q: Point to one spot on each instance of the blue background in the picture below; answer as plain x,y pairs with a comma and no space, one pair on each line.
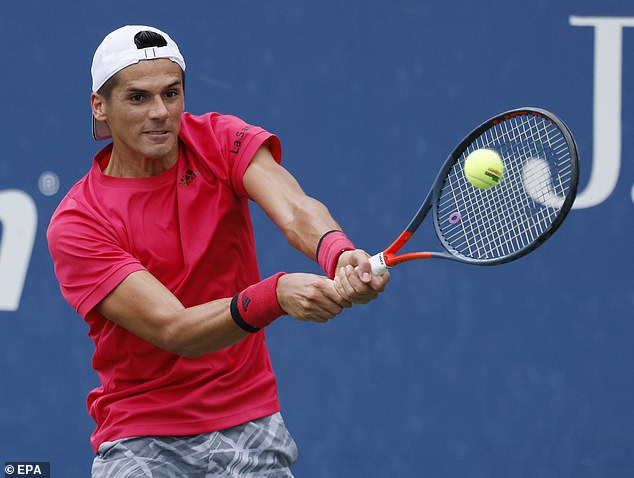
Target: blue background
522,370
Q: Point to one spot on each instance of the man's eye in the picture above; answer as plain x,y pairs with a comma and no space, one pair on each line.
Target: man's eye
136,98
170,94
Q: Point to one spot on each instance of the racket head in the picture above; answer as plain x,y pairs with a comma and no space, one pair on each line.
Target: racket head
509,220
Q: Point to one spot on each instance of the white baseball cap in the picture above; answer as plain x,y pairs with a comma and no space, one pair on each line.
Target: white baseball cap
119,50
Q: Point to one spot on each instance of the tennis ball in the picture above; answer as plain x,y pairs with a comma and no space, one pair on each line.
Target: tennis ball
484,168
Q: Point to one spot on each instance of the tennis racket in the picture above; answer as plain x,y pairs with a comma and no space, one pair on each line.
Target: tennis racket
511,219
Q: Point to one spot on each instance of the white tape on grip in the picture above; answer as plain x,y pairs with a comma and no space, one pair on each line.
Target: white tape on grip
377,262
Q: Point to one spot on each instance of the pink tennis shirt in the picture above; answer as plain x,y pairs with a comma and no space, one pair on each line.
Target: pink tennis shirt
190,227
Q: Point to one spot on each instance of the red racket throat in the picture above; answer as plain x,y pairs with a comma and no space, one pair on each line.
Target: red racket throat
391,259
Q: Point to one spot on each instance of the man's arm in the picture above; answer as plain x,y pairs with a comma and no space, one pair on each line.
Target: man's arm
142,305
145,307
304,220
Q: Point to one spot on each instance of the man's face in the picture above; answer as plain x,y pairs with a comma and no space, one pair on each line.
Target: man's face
144,109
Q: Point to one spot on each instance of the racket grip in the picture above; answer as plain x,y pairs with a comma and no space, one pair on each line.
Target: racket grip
379,267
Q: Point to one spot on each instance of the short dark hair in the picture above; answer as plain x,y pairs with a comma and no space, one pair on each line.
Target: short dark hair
143,39
148,39
108,86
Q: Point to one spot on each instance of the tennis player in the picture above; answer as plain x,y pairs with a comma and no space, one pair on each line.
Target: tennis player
154,248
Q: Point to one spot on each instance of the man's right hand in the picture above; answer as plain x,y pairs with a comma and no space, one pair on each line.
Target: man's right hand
309,297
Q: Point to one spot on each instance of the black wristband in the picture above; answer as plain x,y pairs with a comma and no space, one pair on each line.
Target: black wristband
321,240
237,318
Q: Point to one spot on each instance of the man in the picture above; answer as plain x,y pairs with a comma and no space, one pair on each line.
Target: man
154,248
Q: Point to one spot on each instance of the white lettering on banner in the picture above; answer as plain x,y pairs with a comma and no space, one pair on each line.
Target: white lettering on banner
606,136
18,215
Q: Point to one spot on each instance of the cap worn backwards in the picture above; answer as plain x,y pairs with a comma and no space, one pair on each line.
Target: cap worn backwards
122,48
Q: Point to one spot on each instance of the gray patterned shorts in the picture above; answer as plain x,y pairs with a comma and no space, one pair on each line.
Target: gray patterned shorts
261,448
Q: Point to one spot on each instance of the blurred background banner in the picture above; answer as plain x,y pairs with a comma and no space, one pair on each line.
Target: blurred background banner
522,370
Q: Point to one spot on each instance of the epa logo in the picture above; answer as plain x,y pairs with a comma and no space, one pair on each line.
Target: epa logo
22,469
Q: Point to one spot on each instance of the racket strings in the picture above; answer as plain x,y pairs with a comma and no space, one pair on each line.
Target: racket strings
501,236
493,223
520,228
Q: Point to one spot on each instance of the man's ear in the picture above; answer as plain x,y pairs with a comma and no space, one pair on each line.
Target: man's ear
97,103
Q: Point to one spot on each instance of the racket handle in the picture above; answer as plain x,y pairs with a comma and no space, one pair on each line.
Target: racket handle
379,267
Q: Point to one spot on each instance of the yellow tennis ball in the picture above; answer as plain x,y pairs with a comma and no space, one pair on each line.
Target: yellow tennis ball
484,168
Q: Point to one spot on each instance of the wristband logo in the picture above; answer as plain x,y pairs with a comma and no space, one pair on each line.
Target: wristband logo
245,302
